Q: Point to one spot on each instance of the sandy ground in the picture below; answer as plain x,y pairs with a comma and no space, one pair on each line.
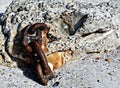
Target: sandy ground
87,72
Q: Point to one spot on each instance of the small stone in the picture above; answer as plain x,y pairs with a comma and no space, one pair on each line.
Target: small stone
56,84
10,75
110,73
108,60
98,58
98,80
106,51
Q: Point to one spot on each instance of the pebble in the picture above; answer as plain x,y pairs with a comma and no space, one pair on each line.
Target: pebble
108,60
56,84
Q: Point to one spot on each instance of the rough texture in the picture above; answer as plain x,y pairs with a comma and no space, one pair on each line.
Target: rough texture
3,52
87,72
100,32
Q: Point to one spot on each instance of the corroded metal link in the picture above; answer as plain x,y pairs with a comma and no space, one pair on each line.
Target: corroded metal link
31,40
41,58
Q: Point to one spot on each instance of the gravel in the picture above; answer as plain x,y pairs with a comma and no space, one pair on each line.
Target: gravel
88,72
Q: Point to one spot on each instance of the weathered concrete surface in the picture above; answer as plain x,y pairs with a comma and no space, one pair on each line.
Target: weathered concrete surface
85,72
100,32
